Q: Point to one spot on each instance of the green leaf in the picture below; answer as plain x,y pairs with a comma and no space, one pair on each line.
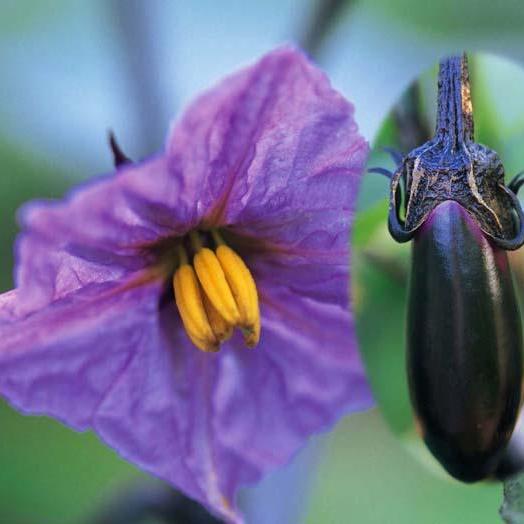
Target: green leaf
21,15
53,474
368,222
465,18
380,304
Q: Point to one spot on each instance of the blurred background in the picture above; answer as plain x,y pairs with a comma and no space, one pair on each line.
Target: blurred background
72,70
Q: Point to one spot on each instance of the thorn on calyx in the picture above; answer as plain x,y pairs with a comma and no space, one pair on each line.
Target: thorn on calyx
119,157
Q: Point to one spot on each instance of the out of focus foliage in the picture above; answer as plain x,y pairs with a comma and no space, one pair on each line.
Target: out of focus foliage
466,19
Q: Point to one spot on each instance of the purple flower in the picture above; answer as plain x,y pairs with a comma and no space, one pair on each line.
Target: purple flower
268,164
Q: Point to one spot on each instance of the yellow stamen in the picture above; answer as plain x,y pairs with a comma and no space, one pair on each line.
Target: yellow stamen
188,296
244,290
215,294
215,286
220,327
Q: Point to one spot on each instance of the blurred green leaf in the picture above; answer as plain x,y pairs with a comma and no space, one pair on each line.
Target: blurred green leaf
20,15
449,17
367,222
368,476
51,474
499,108
380,304
487,121
379,297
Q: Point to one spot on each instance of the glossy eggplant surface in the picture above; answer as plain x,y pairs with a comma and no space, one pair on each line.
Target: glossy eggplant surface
464,343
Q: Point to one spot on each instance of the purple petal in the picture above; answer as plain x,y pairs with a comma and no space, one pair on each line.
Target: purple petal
63,359
104,359
8,306
274,153
101,359
98,233
206,423
324,279
159,415
268,142
209,424
303,376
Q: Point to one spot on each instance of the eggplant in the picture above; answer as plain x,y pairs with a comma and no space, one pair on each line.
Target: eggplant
464,337
463,343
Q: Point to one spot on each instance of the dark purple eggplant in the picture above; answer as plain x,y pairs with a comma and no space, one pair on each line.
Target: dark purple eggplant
464,337
464,343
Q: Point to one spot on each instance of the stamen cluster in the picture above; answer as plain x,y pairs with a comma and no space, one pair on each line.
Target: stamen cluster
215,293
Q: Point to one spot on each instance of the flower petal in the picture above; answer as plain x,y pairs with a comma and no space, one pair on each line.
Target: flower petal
274,154
325,279
267,143
305,373
8,306
210,423
103,359
273,151
98,233
159,415
62,360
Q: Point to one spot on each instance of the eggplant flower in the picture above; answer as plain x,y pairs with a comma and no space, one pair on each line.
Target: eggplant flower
139,295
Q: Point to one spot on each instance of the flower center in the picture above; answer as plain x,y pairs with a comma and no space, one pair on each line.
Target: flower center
215,293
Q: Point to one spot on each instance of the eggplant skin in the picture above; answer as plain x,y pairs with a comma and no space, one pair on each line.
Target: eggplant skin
464,344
